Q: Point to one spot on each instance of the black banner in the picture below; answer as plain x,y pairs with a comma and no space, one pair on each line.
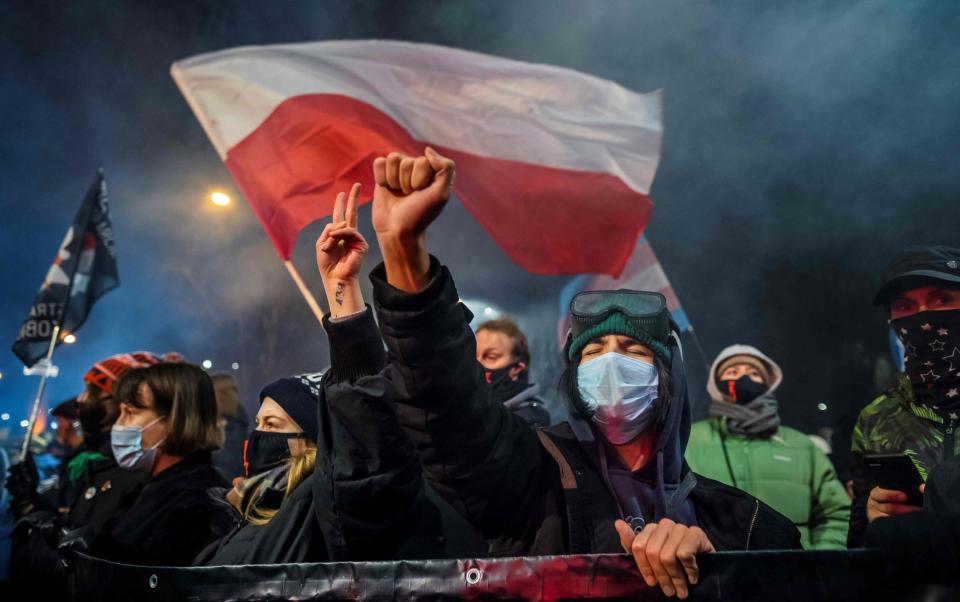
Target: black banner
725,576
84,269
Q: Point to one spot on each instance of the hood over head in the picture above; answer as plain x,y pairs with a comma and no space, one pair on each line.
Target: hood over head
776,373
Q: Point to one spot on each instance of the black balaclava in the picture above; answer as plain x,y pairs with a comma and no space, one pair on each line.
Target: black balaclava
931,341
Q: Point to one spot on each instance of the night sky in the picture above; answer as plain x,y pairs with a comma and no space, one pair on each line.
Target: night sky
805,143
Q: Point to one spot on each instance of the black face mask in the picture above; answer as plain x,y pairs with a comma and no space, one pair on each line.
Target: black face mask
503,388
743,390
931,341
264,450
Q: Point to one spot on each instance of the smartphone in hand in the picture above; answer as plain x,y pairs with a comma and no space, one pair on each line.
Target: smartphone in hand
897,472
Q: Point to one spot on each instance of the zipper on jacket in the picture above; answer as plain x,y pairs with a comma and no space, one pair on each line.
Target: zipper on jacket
753,521
949,435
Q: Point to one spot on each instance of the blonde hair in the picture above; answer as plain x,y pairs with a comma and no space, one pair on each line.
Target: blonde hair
299,468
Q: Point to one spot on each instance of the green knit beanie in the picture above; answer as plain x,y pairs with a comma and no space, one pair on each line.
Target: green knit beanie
654,332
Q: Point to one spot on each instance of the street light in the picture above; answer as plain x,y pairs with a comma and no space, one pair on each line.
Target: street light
69,338
220,199
207,364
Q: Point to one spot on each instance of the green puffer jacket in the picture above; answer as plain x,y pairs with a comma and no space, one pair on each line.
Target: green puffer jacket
895,424
785,471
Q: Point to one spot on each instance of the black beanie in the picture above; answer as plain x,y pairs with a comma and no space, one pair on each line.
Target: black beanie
298,396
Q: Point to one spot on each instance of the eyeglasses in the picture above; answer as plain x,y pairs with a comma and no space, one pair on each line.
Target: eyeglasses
593,305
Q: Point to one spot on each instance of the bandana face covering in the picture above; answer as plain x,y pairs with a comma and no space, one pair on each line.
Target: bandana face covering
931,341
621,391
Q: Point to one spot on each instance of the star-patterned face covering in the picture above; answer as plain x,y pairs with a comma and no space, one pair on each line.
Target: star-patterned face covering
931,341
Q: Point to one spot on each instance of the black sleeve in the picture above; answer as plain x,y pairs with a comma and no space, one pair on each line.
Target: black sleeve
481,458
368,481
920,545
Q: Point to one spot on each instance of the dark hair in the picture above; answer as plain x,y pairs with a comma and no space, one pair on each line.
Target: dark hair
508,327
183,394
570,393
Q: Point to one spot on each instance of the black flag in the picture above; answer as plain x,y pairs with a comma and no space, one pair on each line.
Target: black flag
84,269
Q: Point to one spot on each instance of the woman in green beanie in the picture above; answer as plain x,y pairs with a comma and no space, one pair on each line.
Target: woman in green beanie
609,479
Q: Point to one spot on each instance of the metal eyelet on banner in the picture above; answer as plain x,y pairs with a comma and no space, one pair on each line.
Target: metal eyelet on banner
474,576
153,582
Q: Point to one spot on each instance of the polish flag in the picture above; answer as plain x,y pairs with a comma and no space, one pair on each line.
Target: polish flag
554,164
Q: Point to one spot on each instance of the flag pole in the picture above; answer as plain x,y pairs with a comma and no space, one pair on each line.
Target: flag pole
35,411
307,295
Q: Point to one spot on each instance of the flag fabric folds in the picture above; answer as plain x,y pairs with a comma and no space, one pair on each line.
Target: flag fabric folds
84,269
643,272
554,164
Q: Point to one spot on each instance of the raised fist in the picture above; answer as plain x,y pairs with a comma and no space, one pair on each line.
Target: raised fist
410,193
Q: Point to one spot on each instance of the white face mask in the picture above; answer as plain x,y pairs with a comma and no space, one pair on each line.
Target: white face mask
128,450
621,392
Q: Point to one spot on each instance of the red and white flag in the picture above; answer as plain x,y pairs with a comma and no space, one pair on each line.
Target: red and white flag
554,164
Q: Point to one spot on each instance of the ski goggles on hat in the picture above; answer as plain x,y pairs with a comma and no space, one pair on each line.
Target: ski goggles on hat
594,306
641,315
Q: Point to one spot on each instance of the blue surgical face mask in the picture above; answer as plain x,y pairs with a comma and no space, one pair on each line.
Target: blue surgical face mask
621,392
127,444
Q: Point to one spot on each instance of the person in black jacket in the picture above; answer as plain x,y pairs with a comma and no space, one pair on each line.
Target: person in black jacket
153,506
99,489
331,475
503,352
558,490
96,410
167,430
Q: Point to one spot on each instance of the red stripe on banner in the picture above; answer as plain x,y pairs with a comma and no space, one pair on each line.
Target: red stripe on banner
547,220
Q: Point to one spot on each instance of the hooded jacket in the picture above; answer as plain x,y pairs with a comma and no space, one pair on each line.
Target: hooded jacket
785,470
733,350
530,492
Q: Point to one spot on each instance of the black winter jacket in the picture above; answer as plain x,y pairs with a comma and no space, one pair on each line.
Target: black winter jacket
103,491
170,521
531,493
366,498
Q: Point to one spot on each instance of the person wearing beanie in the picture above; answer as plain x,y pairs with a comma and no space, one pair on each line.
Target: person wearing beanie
919,415
329,474
612,477
743,444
